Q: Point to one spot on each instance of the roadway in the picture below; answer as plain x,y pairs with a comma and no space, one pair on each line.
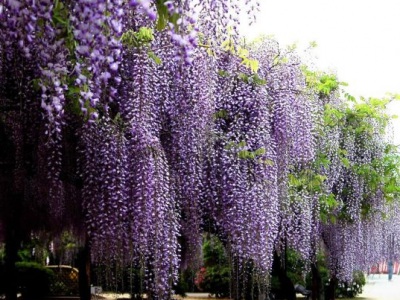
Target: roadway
379,287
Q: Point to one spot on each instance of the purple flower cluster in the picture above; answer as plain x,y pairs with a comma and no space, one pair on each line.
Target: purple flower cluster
355,148
189,103
97,27
291,125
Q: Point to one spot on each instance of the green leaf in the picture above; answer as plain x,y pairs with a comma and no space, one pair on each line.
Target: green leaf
73,90
223,73
243,77
251,79
345,162
154,57
333,219
35,83
229,146
267,162
242,144
243,154
136,39
260,151
258,81
313,44
163,16
221,114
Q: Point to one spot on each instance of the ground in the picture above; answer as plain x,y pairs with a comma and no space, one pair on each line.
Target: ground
378,287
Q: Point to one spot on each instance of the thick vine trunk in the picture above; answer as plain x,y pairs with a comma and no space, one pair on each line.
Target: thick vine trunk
10,213
287,286
234,282
244,285
84,261
317,287
11,256
13,240
331,290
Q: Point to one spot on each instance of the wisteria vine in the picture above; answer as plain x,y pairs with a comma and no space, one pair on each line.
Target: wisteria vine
179,128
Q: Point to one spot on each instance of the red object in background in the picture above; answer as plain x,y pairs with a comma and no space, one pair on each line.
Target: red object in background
200,276
382,268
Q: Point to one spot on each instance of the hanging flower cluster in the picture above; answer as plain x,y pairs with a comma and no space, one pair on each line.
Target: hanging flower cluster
292,129
358,167
241,170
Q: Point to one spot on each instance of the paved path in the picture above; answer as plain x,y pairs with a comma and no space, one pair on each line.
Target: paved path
378,287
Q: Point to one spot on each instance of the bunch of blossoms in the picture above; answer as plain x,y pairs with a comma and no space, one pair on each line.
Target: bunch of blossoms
181,18
302,224
79,72
292,107
241,192
104,195
343,242
188,101
185,106
78,49
32,34
377,230
373,242
178,117
46,33
343,238
327,159
157,175
33,65
152,215
390,236
381,223
329,168
292,130
131,217
97,27
359,190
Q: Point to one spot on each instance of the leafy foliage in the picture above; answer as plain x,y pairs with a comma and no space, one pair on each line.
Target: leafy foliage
34,280
216,279
353,288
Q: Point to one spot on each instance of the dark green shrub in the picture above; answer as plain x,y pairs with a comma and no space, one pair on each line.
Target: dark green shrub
288,269
295,267
34,280
217,281
2,279
186,283
214,277
351,289
322,270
